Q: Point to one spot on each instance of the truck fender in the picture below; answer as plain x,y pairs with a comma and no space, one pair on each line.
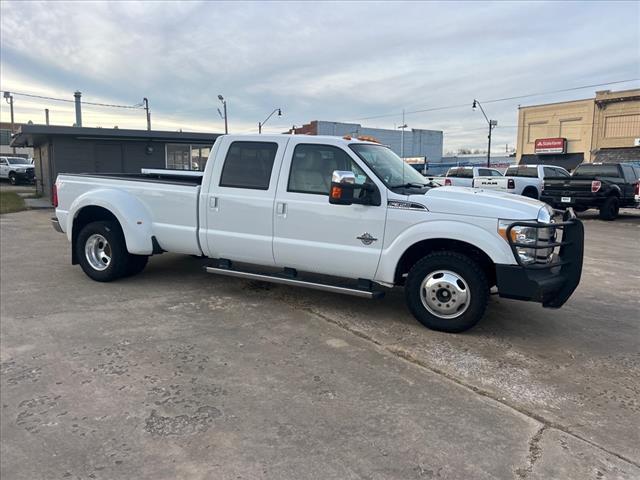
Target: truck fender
132,215
493,246
615,190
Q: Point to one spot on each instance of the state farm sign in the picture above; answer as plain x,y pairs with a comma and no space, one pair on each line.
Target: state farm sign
545,146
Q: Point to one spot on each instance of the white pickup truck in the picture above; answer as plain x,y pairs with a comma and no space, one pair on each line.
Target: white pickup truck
526,180
337,214
463,176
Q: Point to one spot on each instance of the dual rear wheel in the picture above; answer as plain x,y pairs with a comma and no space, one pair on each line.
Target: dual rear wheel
102,252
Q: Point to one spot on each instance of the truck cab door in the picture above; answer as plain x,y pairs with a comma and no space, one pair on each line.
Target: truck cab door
312,235
239,200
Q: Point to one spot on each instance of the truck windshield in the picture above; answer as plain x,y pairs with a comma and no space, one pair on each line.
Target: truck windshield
388,166
592,170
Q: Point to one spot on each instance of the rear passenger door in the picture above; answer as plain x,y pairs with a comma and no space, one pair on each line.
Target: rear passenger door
239,220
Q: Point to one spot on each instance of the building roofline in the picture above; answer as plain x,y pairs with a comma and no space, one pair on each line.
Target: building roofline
27,133
601,93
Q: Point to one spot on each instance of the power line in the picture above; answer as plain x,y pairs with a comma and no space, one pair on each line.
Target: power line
449,107
136,106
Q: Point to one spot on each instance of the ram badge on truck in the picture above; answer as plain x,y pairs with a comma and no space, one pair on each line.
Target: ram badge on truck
326,207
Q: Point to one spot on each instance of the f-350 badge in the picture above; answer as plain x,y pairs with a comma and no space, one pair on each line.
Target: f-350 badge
366,238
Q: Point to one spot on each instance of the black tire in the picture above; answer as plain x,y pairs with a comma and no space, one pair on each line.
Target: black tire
136,264
119,257
465,268
610,208
13,179
530,192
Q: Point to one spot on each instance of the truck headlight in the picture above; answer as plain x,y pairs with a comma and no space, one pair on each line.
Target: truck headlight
523,235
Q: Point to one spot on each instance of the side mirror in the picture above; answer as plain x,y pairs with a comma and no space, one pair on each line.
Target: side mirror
342,185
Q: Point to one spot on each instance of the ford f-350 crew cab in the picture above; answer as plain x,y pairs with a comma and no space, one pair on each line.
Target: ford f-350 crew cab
314,208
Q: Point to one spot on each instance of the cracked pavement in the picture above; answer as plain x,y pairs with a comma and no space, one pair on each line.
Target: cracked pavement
179,374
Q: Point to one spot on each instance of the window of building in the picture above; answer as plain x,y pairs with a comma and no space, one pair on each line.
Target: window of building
248,165
180,156
199,156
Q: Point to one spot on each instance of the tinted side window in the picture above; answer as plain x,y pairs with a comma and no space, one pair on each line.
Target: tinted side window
562,173
495,173
312,167
629,175
248,165
484,172
550,172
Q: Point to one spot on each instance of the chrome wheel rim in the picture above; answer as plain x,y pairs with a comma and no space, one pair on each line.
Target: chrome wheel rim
98,252
445,294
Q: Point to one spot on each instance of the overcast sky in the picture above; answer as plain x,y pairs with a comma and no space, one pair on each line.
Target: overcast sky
326,61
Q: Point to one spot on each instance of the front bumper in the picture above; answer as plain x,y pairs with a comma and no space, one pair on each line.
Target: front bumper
28,176
56,225
550,284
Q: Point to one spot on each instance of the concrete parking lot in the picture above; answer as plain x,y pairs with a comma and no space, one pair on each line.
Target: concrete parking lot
179,374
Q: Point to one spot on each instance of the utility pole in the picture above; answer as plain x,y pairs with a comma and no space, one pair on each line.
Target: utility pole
77,96
224,107
9,99
492,125
145,100
46,116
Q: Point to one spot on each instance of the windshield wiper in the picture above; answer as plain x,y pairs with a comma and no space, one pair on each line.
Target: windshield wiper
410,184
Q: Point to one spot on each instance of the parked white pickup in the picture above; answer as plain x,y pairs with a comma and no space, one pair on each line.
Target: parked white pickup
527,180
326,207
463,176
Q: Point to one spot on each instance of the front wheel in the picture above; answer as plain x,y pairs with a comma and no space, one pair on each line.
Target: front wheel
13,180
447,291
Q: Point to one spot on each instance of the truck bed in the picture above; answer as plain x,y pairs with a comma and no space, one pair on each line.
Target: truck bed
163,206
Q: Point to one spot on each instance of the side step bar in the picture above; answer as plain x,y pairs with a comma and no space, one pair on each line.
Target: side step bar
356,292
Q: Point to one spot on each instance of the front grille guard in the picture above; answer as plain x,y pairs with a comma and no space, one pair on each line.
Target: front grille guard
568,224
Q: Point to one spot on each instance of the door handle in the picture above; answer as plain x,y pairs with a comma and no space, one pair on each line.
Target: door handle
281,209
213,203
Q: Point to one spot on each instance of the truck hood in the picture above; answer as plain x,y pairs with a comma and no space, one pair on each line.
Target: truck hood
479,203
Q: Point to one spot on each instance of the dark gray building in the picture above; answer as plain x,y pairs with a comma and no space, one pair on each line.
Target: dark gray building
58,149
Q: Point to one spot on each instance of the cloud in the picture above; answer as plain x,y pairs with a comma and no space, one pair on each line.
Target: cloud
329,61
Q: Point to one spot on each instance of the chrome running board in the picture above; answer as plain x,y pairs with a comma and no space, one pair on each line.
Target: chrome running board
277,278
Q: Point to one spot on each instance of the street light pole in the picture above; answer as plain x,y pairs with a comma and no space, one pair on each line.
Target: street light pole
492,125
224,108
261,124
402,127
9,99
